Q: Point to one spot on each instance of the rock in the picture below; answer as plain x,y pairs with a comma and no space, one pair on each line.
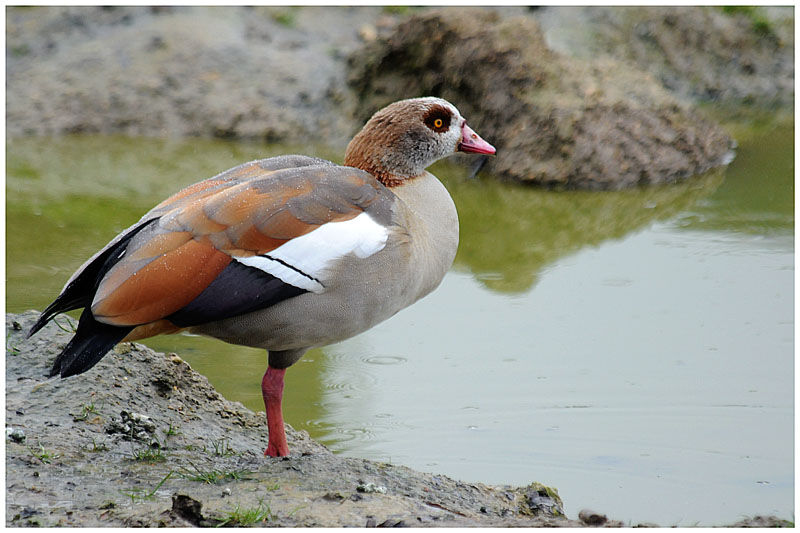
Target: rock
592,518
367,33
393,523
133,426
15,434
763,522
540,500
555,120
371,488
187,508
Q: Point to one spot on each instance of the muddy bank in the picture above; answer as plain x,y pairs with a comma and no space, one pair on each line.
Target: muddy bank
597,98
733,56
143,440
271,73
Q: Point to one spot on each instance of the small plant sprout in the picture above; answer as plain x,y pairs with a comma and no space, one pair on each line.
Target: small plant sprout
144,494
43,455
98,447
247,516
87,409
69,328
221,447
12,349
149,454
286,17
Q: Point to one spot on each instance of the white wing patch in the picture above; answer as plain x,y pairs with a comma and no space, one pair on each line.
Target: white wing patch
284,273
302,261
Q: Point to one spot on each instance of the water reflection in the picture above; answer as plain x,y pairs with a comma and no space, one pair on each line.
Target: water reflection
139,170
510,233
757,196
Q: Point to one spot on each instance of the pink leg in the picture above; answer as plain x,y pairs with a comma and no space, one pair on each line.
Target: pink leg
272,390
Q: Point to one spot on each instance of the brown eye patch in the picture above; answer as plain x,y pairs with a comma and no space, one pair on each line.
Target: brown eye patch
438,118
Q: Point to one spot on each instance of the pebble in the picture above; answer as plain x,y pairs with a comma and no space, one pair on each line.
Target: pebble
132,425
15,434
371,487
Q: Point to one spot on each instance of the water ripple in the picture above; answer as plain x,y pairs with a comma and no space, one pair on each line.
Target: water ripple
385,360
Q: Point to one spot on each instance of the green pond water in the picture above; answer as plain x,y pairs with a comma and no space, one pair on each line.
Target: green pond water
633,349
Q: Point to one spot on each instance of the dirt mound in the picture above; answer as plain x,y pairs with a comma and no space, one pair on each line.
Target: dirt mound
556,121
732,55
180,71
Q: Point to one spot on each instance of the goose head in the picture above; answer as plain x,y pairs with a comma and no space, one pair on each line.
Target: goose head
401,140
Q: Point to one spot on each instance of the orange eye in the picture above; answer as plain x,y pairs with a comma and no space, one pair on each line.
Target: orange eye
437,123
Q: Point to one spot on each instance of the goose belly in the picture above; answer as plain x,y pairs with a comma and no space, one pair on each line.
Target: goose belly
363,293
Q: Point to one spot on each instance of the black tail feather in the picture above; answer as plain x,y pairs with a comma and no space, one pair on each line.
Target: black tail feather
91,342
80,291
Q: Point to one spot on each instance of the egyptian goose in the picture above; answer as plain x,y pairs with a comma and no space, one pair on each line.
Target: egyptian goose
286,253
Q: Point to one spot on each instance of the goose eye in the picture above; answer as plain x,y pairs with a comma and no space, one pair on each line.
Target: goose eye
438,119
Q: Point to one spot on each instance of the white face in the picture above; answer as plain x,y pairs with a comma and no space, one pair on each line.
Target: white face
433,132
444,119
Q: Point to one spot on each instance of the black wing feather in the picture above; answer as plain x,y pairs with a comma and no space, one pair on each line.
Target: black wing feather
238,289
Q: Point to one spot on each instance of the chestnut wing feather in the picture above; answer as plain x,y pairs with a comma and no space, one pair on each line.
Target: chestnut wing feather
209,258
